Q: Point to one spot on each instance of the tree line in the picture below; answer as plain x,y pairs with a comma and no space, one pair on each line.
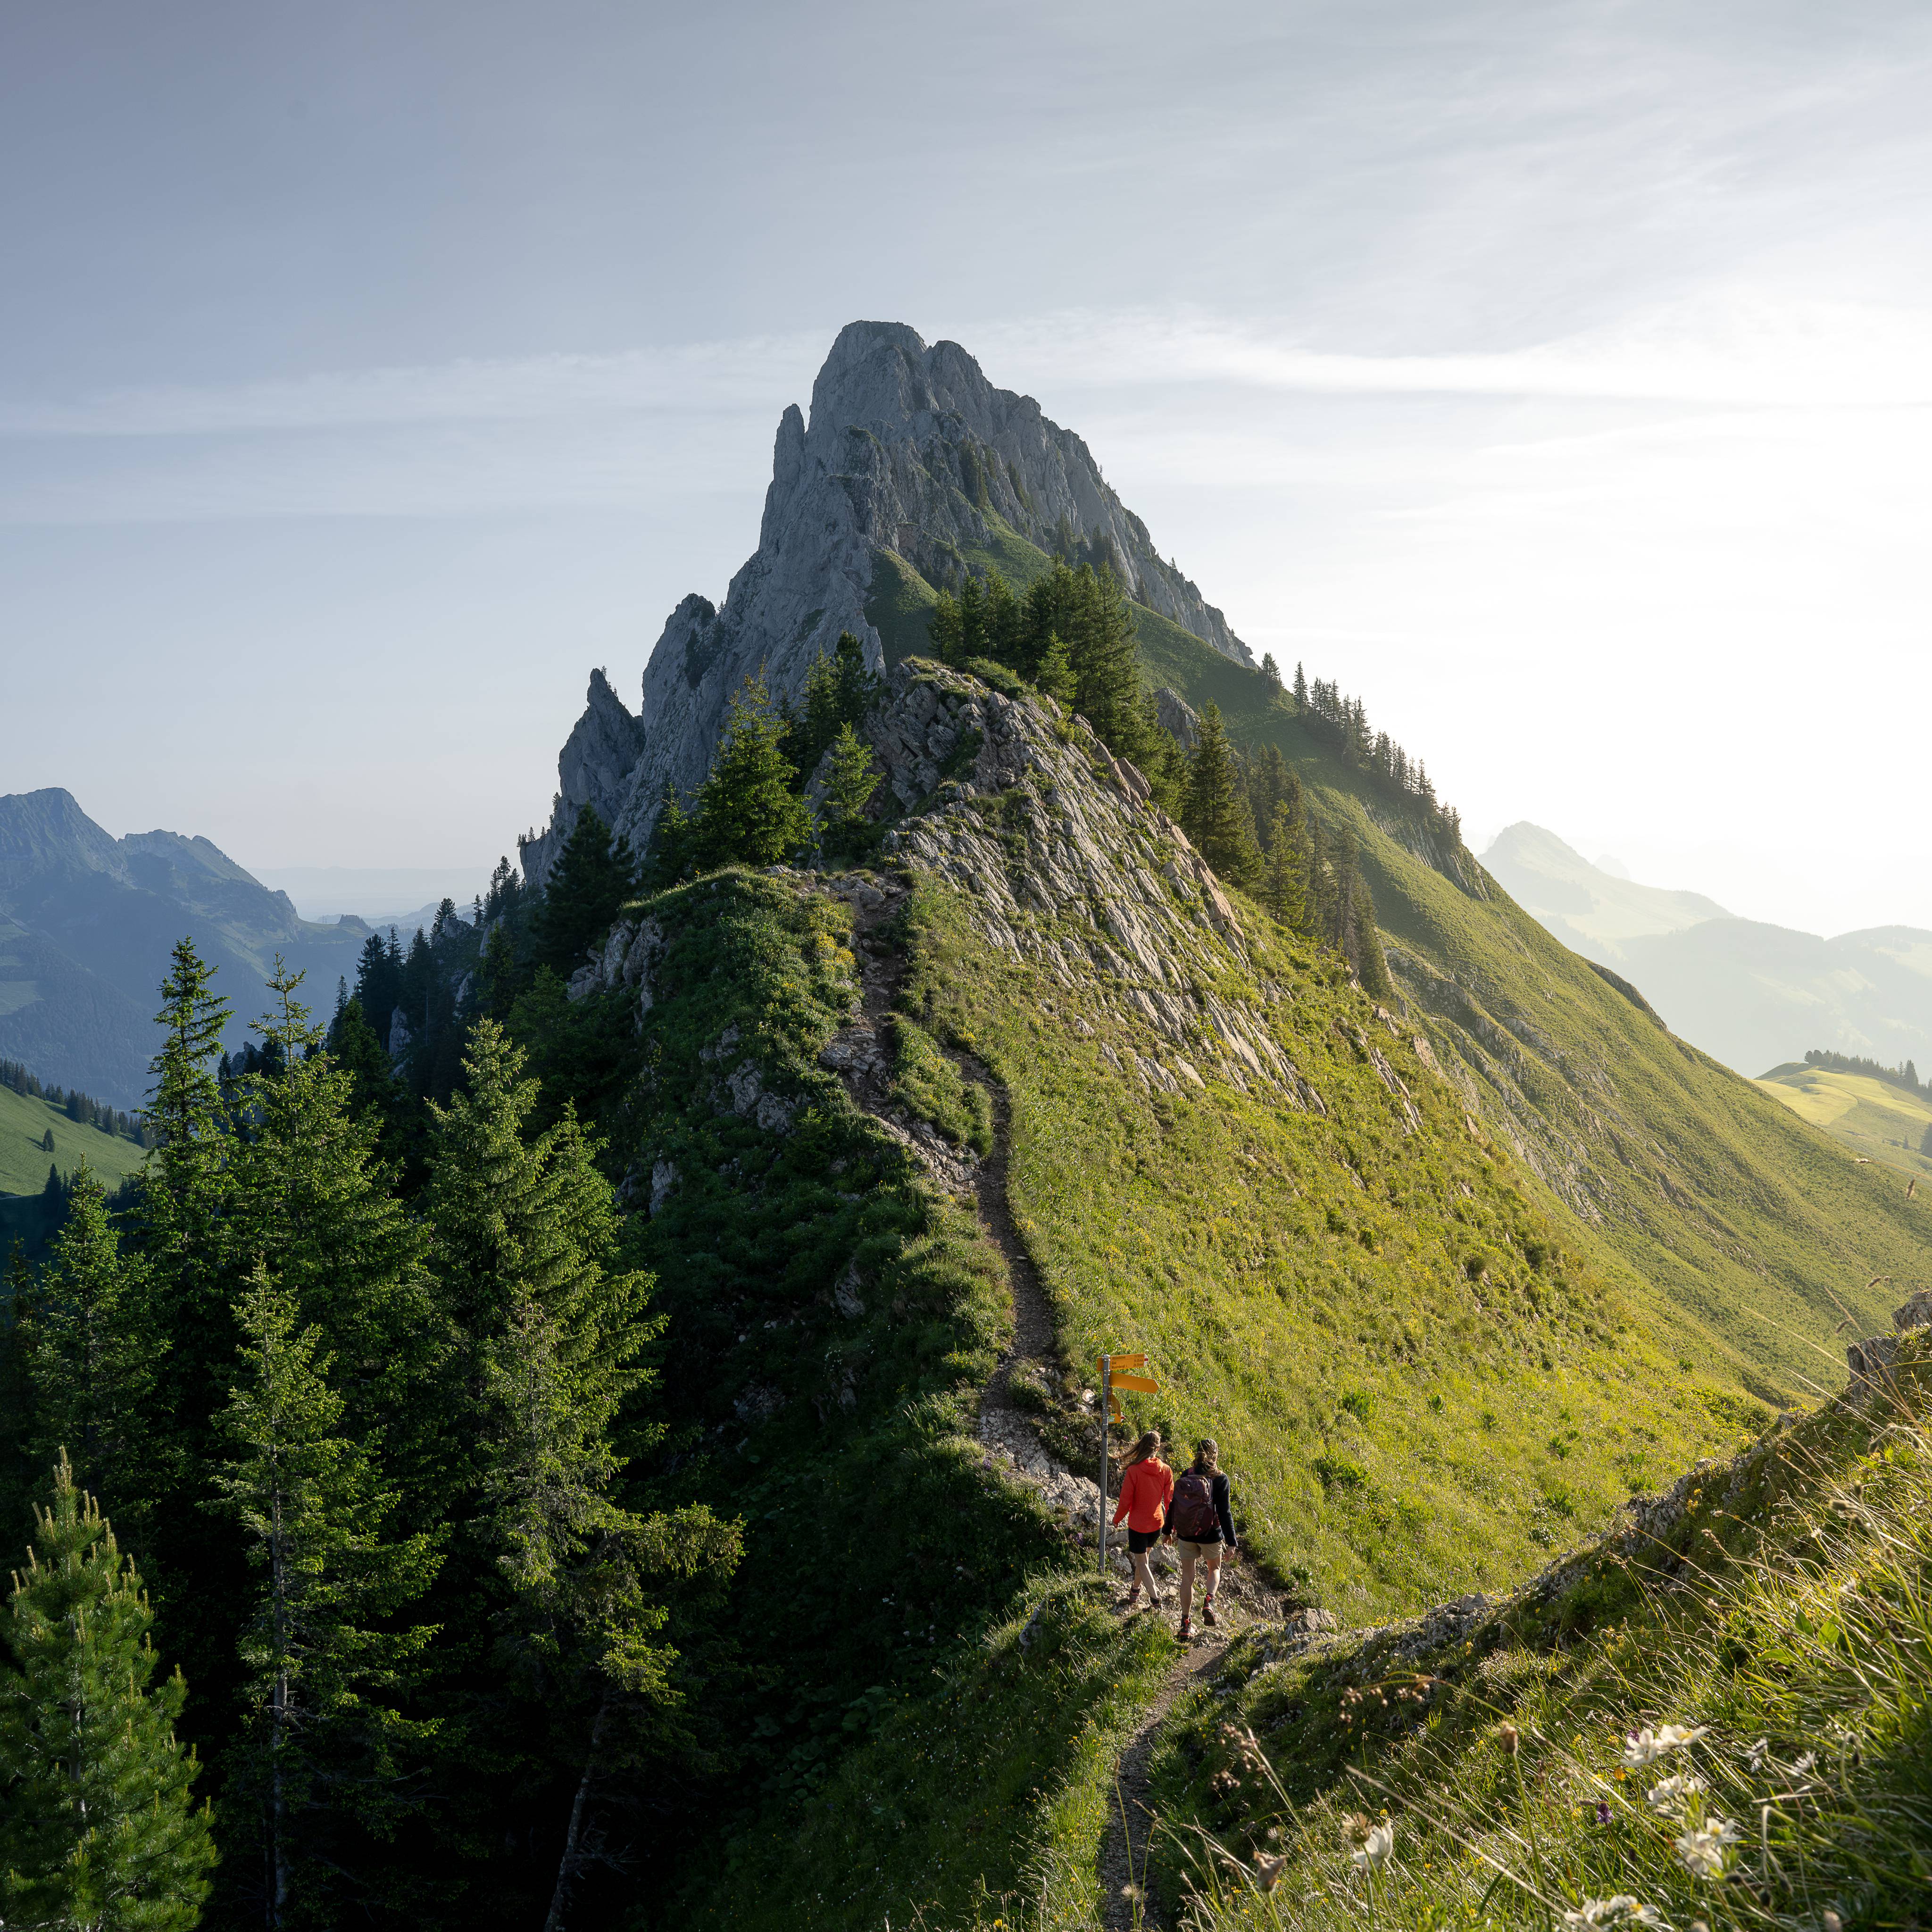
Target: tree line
76,1105
1328,714
330,1564
1905,1075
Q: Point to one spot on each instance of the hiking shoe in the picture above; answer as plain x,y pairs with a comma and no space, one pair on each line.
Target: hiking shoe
1207,1615
1185,1631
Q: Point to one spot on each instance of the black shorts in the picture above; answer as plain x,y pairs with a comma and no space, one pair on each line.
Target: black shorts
1138,1540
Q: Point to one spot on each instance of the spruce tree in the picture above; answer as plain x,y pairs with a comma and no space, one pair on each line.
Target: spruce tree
1105,660
850,783
1215,812
1284,888
1053,671
47,1142
98,1827
325,1662
92,1348
310,1198
747,813
526,1232
944,629
588,887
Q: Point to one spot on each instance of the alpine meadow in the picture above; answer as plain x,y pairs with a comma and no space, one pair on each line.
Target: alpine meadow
596,1421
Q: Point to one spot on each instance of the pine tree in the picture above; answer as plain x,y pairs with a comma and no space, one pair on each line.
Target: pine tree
92,1347
1214,813
1106,660
310,1197
526,1232
322,1658
1053,671
944,629
47,1142
98,1829
747,813
1284,888
850,783
1301,691
594,876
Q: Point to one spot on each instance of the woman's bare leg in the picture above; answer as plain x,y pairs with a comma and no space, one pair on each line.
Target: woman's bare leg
1142,1581
1186,1584
1211,1575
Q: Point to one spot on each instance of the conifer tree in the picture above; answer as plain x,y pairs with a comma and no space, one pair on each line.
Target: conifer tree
1215,812
943,628
850,783
323,1659
593,877
47,1142
310,1198
17,1476
747,813
98,1827
1105,656
1284,888
92,1348
1053,671
526,1230
1301,689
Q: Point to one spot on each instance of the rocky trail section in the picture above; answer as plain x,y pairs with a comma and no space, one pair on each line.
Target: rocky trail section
1069,866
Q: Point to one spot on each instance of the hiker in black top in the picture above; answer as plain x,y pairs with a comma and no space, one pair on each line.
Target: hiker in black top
1204,1530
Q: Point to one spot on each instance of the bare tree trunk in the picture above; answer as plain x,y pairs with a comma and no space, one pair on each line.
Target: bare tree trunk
566,1866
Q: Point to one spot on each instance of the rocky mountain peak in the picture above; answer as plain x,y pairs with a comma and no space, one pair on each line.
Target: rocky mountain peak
912,468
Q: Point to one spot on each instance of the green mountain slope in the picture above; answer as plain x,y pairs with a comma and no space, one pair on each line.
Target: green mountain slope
1870,1117
1758,1233
1210,1148
24,1123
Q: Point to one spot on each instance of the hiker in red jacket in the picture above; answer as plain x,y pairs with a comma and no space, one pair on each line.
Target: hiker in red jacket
1147,1485
1204,1529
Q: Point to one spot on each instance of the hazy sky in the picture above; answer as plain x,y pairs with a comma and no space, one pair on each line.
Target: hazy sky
1558,377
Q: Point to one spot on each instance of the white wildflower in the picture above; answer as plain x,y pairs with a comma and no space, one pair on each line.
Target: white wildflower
1671,1798
1374,1850
1806,1764
1647,1746
1622,1910
1705,1849
1755,1754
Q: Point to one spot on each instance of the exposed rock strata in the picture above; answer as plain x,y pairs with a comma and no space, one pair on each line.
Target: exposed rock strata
910,456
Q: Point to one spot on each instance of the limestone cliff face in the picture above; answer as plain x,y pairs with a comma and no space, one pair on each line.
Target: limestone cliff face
910,454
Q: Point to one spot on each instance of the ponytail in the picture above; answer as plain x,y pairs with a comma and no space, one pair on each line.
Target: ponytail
1207,1453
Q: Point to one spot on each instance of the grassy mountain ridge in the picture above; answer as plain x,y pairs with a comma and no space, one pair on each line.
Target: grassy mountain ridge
1871,1118
25,1121
1758,1230
1219,1153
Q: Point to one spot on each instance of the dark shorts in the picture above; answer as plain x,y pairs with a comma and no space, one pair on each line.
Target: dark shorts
1138,1540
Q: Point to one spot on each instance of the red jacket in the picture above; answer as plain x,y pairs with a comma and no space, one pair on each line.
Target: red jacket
1146,1490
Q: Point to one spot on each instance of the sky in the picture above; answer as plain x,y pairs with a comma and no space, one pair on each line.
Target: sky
1557,377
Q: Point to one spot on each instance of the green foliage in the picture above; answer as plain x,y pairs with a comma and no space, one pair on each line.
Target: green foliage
325,1660
1214,812
91,1348
964,1800
849,782
1284,887
928,1084
594,874
1269,1259
1779,1624
748,812
98,1825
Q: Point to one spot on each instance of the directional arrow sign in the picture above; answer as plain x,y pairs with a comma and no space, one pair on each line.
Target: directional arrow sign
1145,1383
1117,1363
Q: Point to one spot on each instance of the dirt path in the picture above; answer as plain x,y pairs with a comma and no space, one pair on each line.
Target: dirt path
1123,1852
860,1056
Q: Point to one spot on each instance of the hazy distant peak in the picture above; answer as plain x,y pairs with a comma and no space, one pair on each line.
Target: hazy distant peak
1582,903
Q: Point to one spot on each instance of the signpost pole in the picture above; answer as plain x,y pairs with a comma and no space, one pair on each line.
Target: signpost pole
1106,1406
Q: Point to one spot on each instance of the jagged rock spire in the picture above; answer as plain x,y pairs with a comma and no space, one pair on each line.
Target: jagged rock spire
911,457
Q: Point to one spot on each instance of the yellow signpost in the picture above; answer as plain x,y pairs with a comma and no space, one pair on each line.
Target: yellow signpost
1117,1372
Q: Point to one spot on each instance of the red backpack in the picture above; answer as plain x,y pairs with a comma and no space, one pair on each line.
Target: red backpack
1194,1518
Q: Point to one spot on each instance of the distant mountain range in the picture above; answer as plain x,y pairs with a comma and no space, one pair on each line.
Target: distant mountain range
86,923
1753,995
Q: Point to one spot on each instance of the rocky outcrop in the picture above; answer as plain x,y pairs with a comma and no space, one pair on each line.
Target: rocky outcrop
910,458
593,768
